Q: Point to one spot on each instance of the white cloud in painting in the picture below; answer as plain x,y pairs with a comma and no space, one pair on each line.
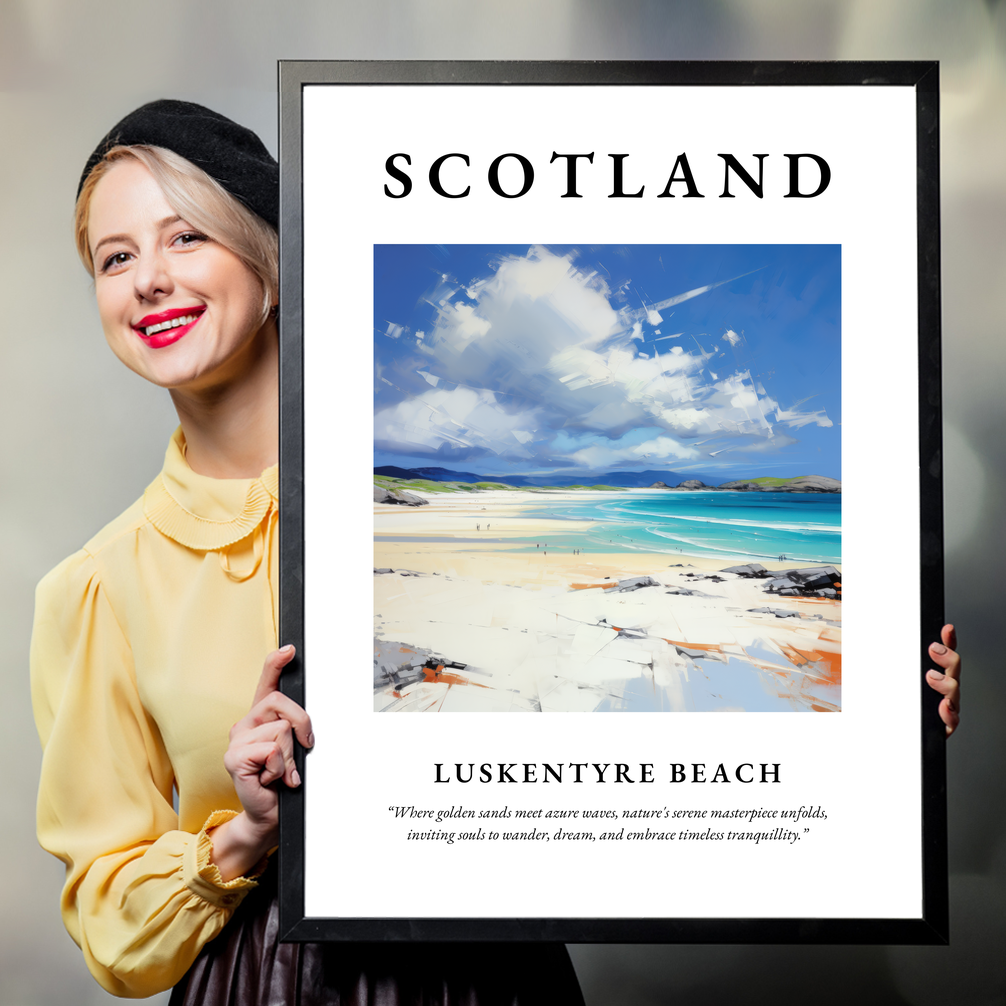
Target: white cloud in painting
795,419
539,350
766,446
661,450
459,419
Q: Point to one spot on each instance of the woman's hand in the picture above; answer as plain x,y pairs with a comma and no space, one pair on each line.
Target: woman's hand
260,753
947,682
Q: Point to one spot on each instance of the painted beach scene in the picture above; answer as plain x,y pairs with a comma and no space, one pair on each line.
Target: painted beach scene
607,478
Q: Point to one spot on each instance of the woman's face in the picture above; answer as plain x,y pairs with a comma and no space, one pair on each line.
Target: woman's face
177,308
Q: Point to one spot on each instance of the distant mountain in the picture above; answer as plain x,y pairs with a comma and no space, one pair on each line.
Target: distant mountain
392,472
624,480
631,480
446,475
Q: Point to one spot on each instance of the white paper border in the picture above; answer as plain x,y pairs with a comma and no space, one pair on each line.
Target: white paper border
862,764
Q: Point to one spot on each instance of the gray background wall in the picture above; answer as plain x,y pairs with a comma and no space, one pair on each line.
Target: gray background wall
81,436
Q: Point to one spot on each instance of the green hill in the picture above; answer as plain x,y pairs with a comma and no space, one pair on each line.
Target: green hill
427,486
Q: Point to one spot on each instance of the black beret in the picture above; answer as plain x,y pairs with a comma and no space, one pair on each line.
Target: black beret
230,154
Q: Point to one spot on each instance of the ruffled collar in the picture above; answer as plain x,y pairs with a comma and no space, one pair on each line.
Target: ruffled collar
203,513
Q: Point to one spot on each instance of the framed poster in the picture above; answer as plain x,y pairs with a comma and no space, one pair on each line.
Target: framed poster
644,362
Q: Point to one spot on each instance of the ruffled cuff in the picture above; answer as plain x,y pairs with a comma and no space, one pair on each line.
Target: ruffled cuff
202,876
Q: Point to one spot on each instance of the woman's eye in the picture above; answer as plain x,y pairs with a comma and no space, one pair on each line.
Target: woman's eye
190,238
114,261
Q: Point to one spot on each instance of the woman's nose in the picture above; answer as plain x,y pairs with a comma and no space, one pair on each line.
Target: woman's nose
152,277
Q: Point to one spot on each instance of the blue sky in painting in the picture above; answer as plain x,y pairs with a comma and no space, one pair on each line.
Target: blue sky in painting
508,359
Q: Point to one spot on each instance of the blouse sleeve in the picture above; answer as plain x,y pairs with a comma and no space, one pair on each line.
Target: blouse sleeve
141,898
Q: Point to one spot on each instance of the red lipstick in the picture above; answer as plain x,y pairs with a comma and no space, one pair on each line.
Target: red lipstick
166,327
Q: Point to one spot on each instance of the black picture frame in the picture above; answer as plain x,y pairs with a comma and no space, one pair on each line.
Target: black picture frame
931,927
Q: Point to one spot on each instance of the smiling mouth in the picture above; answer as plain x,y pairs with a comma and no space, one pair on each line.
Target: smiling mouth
185,319
166,324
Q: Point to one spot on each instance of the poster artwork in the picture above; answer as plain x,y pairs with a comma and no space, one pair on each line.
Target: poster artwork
607,478
632,355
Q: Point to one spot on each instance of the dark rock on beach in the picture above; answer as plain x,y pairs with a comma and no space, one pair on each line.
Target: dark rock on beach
789,613
635,582
400,496
400,664
816,581
803,484
742,487
811,484
751,569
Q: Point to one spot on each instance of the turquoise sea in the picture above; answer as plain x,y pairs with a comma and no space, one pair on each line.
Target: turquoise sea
801,527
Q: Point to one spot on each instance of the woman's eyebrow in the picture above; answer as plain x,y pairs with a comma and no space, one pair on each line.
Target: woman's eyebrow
160,225
109,240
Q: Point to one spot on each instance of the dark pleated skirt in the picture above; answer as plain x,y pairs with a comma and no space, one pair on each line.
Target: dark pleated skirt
246,965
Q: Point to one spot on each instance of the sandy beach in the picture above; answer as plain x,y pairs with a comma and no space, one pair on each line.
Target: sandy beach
469,616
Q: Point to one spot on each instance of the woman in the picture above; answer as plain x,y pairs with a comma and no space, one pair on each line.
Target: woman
148,643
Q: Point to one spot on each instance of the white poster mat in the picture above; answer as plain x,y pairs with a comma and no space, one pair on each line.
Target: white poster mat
862,765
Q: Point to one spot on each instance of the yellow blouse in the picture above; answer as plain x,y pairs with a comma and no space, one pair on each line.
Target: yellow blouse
147,647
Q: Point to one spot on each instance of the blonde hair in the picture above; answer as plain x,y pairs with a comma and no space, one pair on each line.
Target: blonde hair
199,200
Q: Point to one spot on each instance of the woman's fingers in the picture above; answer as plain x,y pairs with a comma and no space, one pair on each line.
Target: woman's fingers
271,671
947,686
261,761
945,654
277,735
270,703
277,706
949,636
274,766
946,681
261,749
949,710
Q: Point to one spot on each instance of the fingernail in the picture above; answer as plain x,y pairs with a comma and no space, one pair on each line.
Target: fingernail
287,649
310,740
295,777
936,675
938,648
